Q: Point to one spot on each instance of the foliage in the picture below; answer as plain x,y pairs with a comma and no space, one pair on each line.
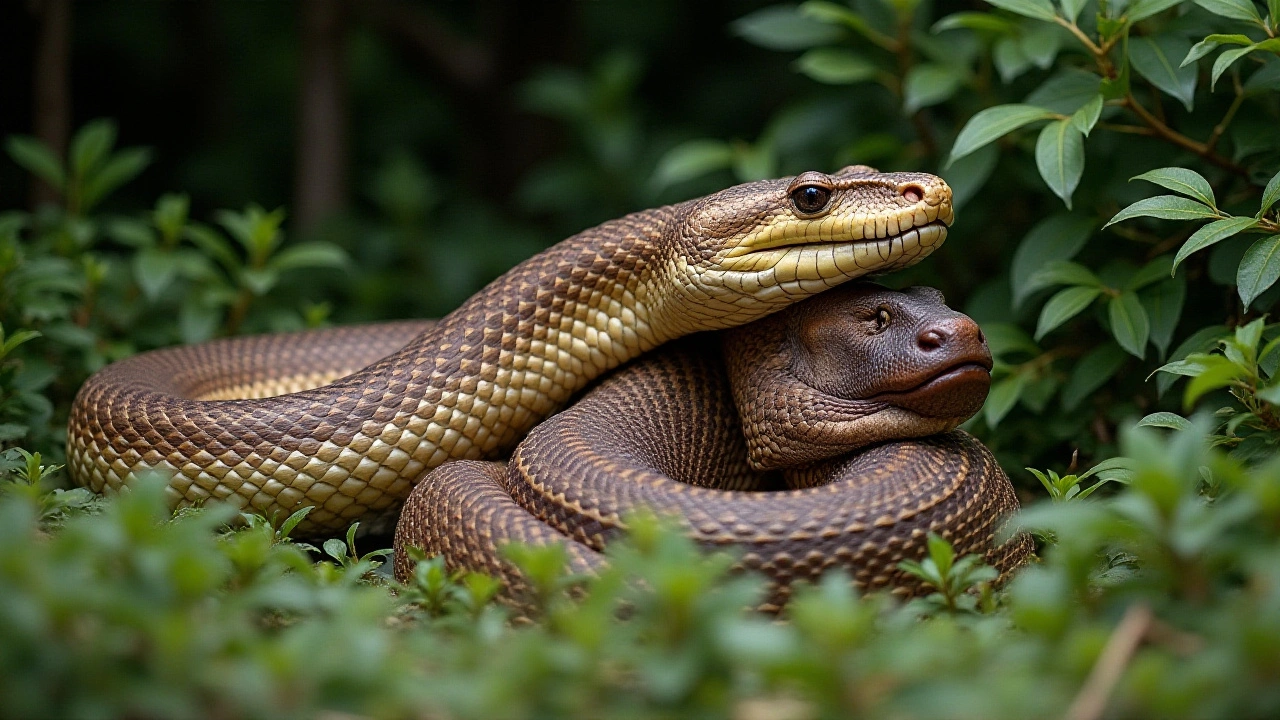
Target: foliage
1156,595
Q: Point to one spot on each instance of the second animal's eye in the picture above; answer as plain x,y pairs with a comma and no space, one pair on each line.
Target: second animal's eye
809,199
882,319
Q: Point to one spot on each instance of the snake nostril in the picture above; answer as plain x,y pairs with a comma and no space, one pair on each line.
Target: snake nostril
931,339
913,193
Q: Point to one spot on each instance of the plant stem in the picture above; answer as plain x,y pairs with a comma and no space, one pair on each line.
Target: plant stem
1170,135
1221,127
1091,702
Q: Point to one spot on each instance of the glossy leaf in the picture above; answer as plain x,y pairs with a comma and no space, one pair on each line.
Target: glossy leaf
1270,194
1058,237
781,27
1143,9
1087,116
1211,234
1259,269
1182,181
1169,420
689,160
1003,396
1166,207
1157,59
1060,158
1129,323
1211,43
836,66
1234,9
1163,304
1063,306
992,124
929,84
1038,9
1092,372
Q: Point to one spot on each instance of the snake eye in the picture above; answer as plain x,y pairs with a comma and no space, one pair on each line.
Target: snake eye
809,199
882,319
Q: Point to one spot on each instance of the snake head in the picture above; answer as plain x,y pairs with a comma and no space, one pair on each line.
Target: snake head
856,366
751,249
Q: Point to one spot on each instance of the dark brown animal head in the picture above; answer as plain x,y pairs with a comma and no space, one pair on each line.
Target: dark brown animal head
854,366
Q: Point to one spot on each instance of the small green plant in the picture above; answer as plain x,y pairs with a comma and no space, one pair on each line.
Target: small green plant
1068,487
959,584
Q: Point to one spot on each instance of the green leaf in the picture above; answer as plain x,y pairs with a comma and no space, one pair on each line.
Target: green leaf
1169,420
1063,272
992,124
90,146
154,269
1259,269
1129,323
1071,8
36,158
1183,181
1143,9
1092,372
967,175
1156,59
120,169
1211,43
170,216
1225,60
1234,9
1038,9
1270,195
1003,396
1063,306
689,160
1210,234
782,27
309,255
1087,116
981,21
1163,304
1057,237
1199,341
1060,158
1166,207
1265,80
1149,273
929,84
1215,371
836,66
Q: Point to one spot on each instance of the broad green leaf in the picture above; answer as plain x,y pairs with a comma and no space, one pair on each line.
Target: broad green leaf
1063,272
1271,194
36,158
1009,59
1234,9
1143,9
1214,232
1087,116
689,160
1151,272
1063,306
781,27
929,84
1060,158
1156,59
1182,181
1214,371
993,123
1166,207
1038,9
1259,269
1225,61
1200,341
1211,43
1008,339
1003,396
153,270
1163,304
90,146
1071,8
1040,43
1129,323
981,21
1057,237
836,66
309,255
833,14
1169,420
1092,372
1066,92
170,216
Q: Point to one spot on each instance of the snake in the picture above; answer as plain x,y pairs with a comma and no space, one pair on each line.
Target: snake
346,421
844,405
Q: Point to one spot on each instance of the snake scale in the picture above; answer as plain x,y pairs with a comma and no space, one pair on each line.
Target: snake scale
348,421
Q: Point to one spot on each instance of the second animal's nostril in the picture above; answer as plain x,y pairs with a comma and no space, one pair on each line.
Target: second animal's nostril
982,338
932,339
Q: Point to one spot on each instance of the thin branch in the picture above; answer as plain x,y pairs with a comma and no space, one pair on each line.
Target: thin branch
1173,136
1221,127
1091,702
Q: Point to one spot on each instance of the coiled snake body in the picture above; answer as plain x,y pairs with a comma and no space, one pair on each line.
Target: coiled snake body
353,439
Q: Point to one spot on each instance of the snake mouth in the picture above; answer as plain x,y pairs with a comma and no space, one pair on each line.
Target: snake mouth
957,391
928,235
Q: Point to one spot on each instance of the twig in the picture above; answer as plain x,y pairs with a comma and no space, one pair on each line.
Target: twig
1221,127
1173,136
1123,643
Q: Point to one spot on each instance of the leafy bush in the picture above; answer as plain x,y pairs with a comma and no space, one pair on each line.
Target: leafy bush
1157,594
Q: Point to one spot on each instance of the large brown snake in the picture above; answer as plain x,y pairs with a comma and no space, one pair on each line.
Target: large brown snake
473,384
847,369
